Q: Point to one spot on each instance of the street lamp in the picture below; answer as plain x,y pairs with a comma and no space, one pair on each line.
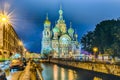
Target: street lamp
95,49
20,43
4,18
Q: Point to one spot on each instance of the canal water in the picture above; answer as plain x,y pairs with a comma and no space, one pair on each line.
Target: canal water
57,72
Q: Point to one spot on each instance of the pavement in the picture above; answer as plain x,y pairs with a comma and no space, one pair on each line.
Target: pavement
14,75
19,75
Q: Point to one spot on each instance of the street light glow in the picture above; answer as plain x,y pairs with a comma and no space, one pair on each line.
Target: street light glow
7,16
4,19
95,49
20,43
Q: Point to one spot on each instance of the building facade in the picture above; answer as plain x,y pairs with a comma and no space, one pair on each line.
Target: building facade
9,41
61,42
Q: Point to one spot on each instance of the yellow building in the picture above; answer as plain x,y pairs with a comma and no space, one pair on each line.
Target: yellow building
9,41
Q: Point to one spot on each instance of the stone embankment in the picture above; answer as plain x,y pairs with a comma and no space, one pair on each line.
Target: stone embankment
31,72
102,67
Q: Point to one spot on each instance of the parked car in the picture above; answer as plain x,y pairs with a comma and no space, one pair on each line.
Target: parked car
2,75
7,62
1,65
16,64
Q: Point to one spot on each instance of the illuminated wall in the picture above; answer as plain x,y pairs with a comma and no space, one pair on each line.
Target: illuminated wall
62,42
9,41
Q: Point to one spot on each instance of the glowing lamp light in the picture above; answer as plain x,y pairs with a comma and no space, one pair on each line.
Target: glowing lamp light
4,18
95,49
20,43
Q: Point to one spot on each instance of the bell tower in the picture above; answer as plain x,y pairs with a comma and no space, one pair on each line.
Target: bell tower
46,39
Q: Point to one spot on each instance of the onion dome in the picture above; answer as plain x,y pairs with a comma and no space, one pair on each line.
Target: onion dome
60,11
70,30
76,36
56,30
47,22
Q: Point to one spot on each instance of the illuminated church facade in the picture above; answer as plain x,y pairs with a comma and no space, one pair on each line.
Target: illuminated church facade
59,41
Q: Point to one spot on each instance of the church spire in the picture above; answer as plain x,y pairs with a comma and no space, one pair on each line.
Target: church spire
46,16
71,30
60,7
76,35
61,13
47,22
70,24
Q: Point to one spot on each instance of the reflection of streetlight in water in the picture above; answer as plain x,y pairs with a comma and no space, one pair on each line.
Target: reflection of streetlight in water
55,71
62,74
97,78
70,74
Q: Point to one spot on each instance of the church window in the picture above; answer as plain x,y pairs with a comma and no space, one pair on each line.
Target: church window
47,33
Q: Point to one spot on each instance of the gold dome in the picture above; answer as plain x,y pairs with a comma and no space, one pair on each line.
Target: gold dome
47,22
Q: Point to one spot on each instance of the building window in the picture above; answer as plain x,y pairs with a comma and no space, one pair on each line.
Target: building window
0,53
5,52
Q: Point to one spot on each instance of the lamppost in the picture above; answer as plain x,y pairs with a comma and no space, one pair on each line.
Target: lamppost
95,49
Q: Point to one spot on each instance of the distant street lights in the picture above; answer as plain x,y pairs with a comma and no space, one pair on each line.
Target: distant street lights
20,43
21,47
25,50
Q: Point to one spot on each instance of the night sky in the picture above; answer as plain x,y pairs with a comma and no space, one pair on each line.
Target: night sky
28,16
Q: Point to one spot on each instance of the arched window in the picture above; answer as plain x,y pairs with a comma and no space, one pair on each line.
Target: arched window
65,40
47,33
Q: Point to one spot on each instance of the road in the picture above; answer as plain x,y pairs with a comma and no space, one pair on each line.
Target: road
16,74
13,75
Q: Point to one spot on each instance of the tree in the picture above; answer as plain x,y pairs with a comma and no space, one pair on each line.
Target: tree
87,41
106,37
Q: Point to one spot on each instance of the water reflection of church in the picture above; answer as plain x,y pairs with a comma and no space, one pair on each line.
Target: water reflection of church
60,41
